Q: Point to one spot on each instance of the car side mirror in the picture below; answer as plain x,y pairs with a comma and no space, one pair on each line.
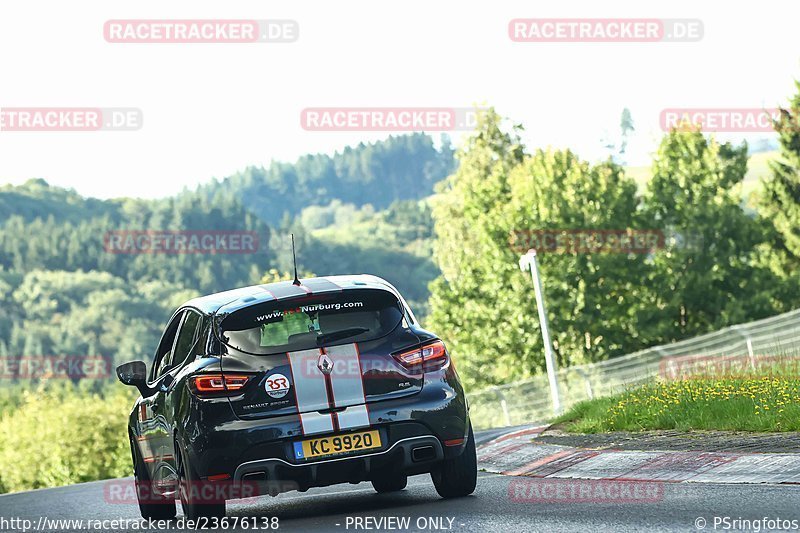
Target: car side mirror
135,375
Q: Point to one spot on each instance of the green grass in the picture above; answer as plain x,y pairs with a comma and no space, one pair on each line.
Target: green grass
759,404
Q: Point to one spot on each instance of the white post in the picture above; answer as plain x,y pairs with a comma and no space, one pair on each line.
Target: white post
587,382
504,407
751,354
749,343
526,260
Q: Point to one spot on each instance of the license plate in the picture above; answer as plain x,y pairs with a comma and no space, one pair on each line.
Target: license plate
337,444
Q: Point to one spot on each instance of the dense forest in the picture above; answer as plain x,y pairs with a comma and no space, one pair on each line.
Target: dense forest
63,292
404,167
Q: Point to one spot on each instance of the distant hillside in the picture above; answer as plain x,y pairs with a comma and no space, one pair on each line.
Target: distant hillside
395,243
63,292
36,199
51,228
404,167
356,211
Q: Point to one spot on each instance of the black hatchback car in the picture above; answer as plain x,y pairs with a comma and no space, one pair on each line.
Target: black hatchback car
293,385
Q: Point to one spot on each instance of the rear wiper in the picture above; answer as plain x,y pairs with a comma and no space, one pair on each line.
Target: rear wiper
339,335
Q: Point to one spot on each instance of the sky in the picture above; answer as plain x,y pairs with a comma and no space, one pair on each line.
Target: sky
212,109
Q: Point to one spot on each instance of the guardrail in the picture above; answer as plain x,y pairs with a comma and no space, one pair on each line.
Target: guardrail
529,401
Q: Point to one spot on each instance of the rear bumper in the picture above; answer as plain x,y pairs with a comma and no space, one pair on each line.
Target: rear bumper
408,456
261,449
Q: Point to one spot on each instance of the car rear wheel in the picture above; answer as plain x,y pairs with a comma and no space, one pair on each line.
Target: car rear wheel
151,505
458,476
197,496
390,483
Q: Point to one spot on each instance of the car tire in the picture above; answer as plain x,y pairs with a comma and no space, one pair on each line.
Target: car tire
190,487
150,505
458,476
390,483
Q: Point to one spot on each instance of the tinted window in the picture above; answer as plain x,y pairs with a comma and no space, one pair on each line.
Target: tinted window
299,324
164,350
186,339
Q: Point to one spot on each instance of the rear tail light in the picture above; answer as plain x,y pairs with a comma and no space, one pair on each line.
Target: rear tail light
426,358
218,384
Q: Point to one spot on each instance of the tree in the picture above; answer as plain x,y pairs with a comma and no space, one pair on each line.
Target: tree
709,275
780,201
625,126
462,297
482,304
618,146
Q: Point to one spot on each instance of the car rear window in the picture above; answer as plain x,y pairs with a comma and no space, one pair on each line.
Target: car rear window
353,315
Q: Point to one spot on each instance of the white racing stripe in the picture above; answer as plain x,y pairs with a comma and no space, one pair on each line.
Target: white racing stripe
310,390
346,384
353,417
316,423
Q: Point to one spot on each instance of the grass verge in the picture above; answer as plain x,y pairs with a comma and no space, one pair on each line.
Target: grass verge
765,404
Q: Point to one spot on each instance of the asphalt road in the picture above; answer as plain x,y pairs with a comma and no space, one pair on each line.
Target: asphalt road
339,508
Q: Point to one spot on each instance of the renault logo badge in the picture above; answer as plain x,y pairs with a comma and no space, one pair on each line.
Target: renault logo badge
325,364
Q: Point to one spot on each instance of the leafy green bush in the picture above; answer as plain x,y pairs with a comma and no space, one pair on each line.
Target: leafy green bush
59,436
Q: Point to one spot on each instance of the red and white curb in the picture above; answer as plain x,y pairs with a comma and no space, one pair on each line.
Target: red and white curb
518,454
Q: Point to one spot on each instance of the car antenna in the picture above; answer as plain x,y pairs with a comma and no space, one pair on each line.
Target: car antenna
294,259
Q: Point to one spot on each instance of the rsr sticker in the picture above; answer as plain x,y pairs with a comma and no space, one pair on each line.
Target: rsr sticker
277,385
